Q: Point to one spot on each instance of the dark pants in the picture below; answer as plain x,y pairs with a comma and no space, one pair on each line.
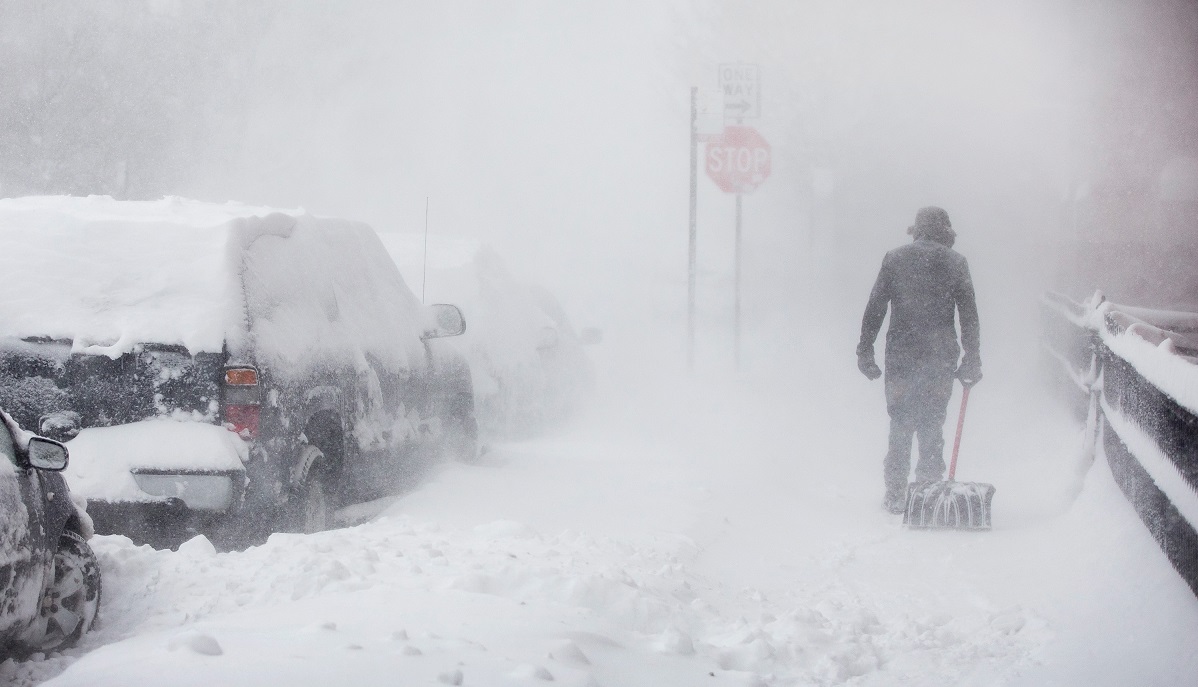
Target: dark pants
917,395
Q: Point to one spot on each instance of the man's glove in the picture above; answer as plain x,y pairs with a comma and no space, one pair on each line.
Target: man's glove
868,367
970,372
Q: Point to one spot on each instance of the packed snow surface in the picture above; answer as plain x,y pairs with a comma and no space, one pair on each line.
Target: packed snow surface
102,458
719,533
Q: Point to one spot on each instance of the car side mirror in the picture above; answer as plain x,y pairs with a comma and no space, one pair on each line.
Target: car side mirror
61,425
443,320
549,339
47,454
589,336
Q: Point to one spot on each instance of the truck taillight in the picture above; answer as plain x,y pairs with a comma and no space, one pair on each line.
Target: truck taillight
243,418
241,376
241,399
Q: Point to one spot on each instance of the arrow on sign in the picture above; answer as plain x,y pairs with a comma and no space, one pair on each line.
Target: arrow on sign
743,106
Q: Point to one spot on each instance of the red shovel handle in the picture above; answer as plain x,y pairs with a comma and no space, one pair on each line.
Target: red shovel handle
952,468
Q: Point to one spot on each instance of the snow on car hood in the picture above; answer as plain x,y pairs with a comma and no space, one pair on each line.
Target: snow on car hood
102,458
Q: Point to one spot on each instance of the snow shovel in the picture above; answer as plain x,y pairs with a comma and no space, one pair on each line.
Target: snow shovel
950,504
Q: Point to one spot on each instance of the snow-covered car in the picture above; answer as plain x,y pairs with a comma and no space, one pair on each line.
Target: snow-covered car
224,369
49,578
527,361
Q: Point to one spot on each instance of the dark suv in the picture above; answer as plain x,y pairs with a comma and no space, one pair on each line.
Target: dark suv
49,580
225,369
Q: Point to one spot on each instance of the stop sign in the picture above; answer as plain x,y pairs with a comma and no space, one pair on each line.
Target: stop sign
738,160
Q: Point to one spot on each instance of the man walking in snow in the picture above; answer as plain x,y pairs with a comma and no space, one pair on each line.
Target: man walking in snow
922,282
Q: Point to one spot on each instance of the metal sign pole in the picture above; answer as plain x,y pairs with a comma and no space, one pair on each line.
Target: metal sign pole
738,161
736,279
692,253
736,304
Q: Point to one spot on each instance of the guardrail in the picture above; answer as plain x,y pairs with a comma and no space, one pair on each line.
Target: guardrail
1132,373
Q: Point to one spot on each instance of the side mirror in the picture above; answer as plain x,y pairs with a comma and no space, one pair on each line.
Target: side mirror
443,320
589,336
61,425
549,339
47,454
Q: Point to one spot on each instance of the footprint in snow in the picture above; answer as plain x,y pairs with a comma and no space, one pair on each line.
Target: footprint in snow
567,651
198,642
526,671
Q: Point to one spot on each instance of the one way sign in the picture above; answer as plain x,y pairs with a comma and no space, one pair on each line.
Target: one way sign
741,84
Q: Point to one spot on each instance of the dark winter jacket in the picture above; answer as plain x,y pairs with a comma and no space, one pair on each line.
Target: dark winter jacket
922,282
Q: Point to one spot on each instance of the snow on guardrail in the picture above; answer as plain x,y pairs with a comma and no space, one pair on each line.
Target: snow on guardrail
1139,369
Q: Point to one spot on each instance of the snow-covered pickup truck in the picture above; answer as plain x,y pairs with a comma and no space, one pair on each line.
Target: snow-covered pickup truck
223,369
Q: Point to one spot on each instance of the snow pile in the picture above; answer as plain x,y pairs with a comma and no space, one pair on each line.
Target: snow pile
102,458
497,605
591,564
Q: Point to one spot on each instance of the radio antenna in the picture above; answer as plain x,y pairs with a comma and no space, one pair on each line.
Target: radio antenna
424,266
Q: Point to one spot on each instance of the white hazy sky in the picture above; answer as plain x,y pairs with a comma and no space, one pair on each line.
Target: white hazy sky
558,133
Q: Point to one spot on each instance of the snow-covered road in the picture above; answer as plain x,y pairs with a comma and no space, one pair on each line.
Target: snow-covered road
706,533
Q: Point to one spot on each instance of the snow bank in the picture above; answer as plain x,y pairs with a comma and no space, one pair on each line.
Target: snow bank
500,606
103,458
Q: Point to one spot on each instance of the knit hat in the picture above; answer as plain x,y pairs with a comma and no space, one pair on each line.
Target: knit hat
933,223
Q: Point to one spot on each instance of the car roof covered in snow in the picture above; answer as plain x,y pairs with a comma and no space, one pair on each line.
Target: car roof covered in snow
109,274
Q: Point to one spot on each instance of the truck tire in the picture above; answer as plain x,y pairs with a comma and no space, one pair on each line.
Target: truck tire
460,441
70,601
311,509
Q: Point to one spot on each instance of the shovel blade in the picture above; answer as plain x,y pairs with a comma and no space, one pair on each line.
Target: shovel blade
948,505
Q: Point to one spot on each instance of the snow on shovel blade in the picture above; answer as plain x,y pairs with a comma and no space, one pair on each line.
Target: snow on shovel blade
957,505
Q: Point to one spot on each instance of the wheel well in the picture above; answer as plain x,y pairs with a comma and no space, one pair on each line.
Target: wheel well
325,431
461,405
74,524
